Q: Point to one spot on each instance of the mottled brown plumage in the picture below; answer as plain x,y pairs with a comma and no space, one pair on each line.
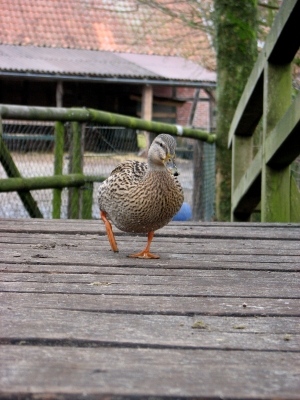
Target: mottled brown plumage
142,197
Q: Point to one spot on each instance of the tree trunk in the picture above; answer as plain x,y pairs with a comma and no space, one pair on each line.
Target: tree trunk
236,47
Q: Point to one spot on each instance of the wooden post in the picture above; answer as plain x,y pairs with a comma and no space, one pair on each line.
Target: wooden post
198,167
198,181
295,201
147,100
242,150
275,191
75,167
59,94
59,133
87,200
12,172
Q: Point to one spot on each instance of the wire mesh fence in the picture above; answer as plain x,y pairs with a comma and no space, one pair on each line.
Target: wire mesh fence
31,145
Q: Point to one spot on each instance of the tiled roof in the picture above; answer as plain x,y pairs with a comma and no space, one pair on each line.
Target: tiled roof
76,62
109,25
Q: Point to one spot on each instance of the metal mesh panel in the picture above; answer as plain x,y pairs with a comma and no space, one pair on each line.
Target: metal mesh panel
32,148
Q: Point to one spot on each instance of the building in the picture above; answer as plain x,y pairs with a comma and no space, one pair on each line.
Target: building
118,56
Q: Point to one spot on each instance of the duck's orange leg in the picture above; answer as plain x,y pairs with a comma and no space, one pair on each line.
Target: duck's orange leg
109,232
145,253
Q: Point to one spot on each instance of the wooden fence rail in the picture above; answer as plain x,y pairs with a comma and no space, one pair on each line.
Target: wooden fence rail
102,117
266,178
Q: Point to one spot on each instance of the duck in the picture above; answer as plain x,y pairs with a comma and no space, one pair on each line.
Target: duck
142,197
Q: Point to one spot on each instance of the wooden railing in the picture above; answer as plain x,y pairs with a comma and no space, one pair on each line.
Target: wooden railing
80,206
265,178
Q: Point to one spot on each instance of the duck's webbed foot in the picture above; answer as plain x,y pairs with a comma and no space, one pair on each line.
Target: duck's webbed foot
146,252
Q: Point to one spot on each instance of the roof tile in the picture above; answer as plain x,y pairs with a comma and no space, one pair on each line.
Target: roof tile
100,25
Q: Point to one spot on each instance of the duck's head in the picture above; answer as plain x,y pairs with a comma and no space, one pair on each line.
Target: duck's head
161,154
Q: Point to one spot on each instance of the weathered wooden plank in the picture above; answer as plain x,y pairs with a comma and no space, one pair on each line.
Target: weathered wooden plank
216,283
112,261
196,230
190,255
168,331
47,241
254,278
82,226
187,246
162,305
149,372
45,265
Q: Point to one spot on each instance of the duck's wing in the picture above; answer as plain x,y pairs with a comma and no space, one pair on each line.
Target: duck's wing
134,170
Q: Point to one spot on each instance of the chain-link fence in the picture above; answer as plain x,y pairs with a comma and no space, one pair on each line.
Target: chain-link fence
31,145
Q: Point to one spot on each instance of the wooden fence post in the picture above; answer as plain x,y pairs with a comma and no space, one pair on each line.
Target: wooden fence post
58,166
75,167
275,189
87,200
198,181
242,151
147,100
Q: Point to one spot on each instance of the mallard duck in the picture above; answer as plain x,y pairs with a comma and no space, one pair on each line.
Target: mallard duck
142,197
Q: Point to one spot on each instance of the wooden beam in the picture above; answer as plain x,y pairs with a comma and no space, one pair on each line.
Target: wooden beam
250,107
103,117
275,192
161,115
246,195
295,201
280,47
194,106
160,101
147,104
241,159
47,182
75,167
41,182
283,144
59,134
59,94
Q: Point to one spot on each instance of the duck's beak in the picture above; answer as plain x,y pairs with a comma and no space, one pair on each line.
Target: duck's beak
170,164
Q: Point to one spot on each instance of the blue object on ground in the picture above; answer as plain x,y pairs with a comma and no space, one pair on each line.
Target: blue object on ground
184,214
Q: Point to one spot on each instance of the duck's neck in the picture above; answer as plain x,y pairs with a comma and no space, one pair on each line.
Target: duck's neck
154,166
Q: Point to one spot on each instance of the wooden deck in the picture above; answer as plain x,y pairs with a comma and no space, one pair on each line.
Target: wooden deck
216,317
